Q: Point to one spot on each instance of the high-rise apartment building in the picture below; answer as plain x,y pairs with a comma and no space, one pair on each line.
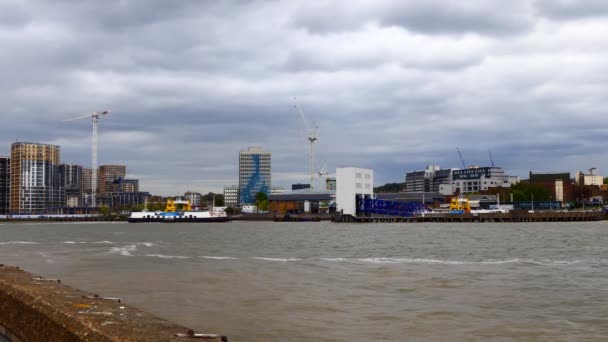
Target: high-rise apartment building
35,183
71,180
5,173
87,181
254,174
106,176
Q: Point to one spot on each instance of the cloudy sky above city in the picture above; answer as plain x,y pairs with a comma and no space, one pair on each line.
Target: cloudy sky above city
392,84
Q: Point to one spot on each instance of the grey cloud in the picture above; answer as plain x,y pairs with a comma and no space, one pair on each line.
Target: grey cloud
427,17
572,9
392,85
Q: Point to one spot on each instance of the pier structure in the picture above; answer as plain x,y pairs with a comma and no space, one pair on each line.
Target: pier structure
514,216
34,308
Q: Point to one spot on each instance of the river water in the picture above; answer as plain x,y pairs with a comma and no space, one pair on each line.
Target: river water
263,281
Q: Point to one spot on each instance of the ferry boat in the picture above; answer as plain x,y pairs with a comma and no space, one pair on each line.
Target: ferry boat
179,211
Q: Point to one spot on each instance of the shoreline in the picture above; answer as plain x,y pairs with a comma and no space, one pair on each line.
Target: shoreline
34,308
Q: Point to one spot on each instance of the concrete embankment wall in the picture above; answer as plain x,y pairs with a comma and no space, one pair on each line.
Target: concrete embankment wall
38,309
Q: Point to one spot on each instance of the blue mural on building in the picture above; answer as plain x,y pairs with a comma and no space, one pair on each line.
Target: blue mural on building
256,183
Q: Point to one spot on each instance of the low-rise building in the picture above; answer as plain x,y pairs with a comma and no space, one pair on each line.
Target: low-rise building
299,186
588,179
353,184
120,200
125,185
231,196
559,185
428,180
330,183
301,201
194,198
276,190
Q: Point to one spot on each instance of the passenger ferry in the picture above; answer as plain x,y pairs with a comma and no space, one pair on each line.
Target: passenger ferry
179,211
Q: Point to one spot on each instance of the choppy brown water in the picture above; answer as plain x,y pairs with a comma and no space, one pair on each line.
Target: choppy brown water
325,282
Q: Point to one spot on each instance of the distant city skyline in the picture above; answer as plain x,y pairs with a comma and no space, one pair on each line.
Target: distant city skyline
392,85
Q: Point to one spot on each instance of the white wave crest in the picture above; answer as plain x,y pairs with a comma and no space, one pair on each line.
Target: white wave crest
162,256
103,242
69,242
126,250
394,260
334,259
147,244
218,257
19,243
277,259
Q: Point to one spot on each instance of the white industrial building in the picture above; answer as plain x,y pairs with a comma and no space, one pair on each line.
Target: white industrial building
475,179
592,178
352,183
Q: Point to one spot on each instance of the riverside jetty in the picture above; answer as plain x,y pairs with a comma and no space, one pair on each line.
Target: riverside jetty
513,216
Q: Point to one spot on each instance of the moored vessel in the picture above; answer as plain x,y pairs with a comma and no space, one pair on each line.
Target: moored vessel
179,211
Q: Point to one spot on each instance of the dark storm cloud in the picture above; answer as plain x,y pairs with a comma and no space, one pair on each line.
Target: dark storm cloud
392,85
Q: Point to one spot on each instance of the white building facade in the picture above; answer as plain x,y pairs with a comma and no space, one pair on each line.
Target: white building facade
592,178
352,183
194,198
475,179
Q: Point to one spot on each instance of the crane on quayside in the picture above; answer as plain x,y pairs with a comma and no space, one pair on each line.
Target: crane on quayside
312,137
95,116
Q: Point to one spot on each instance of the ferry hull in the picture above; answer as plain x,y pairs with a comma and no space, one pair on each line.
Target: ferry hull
177,219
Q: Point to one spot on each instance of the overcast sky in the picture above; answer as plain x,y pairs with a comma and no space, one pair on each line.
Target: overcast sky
392,84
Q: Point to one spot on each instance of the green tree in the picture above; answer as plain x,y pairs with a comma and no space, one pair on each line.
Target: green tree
104,210
524,191
261,201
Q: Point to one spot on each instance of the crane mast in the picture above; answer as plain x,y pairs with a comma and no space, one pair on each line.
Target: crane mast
312,137
464,166
95,116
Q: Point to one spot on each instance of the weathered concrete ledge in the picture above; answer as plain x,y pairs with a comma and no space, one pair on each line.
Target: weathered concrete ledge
38,309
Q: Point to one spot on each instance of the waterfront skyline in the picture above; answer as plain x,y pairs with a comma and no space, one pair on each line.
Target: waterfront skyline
393,85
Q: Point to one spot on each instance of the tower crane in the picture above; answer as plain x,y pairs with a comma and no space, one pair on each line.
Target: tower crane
322,172
464,166
312,137
95,116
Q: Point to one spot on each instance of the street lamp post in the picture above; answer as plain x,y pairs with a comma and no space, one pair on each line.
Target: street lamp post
532,195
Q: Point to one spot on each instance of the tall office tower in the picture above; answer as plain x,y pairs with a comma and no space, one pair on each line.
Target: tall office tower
35,181
87,181
5,173
254,174
107,175
72,181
